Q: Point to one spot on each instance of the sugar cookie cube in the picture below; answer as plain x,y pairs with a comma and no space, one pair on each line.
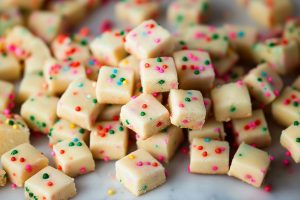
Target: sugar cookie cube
231,101
64,130
158,74
22,162
108,48
252,130
223,65
208,38
9,18
290,139
3,178
286,108
164,144
264,83
79,105
109,140
131,62
209,156
211,129
10,69
270,14
7,95
283,54
50,183
92,67
195,70
187,108
250,165
73,157
136,11
39,112
13,132
59,75
145,115
292,29
149,40
114,85
32,84
110,113
139,172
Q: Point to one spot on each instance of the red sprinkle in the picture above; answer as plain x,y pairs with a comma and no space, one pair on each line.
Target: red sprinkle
50,183
13,158
154,164
268,188
144,106
218,150
77,108
22,159
204,154
200,147
62,151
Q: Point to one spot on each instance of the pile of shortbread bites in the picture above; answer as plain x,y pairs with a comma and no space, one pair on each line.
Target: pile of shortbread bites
92,95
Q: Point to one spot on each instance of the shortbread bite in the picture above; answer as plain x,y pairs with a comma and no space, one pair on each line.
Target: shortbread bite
10,67
7,95
290,139
139,172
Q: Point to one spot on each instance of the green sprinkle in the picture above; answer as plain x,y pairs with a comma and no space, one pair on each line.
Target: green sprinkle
196,72
79,144
207,62
161,82
121,128
295,104
112,76
81,130
30,194
232,109
142,113
259,79
187,99
215,36
158,59
71,144
240,154
181,42
297,139
127,122
122,79
111,132
32,118
14,152
11,122
95,101
45,176
185,58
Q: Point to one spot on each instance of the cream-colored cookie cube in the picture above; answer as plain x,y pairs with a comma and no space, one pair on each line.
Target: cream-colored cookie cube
32,84
187,108
50,183
108,48
114,85
73,157
250,165
59,75
252,130
3,177
109,140
45,24
164,144
270,13
13,132
145,115
292,29
231,101
286,108
92,67
139,172
290,139
158,74
9,18
208,38
39,112
211,129
10,68
64,130
110,113
283,54
183,13
79,105
209,156
223,65
149,40
136,11
7,95
131,62
264,83
22,162
195,70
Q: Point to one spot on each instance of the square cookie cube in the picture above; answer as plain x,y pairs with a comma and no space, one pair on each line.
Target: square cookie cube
164,144
65,130
7,95
114,85
195,70
10,68
13,132
22,162
252,130
264,83
39,112
286,108
108,48
149,40
158,74
59,75
139,172
290,139
211,129
209,156
187,109
79,105
250,165
231,101
109,140
50,183
145,115
73,157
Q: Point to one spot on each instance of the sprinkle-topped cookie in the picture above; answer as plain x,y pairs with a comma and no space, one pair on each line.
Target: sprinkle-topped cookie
290,139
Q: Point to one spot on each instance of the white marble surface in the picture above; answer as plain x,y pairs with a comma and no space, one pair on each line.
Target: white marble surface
180,184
